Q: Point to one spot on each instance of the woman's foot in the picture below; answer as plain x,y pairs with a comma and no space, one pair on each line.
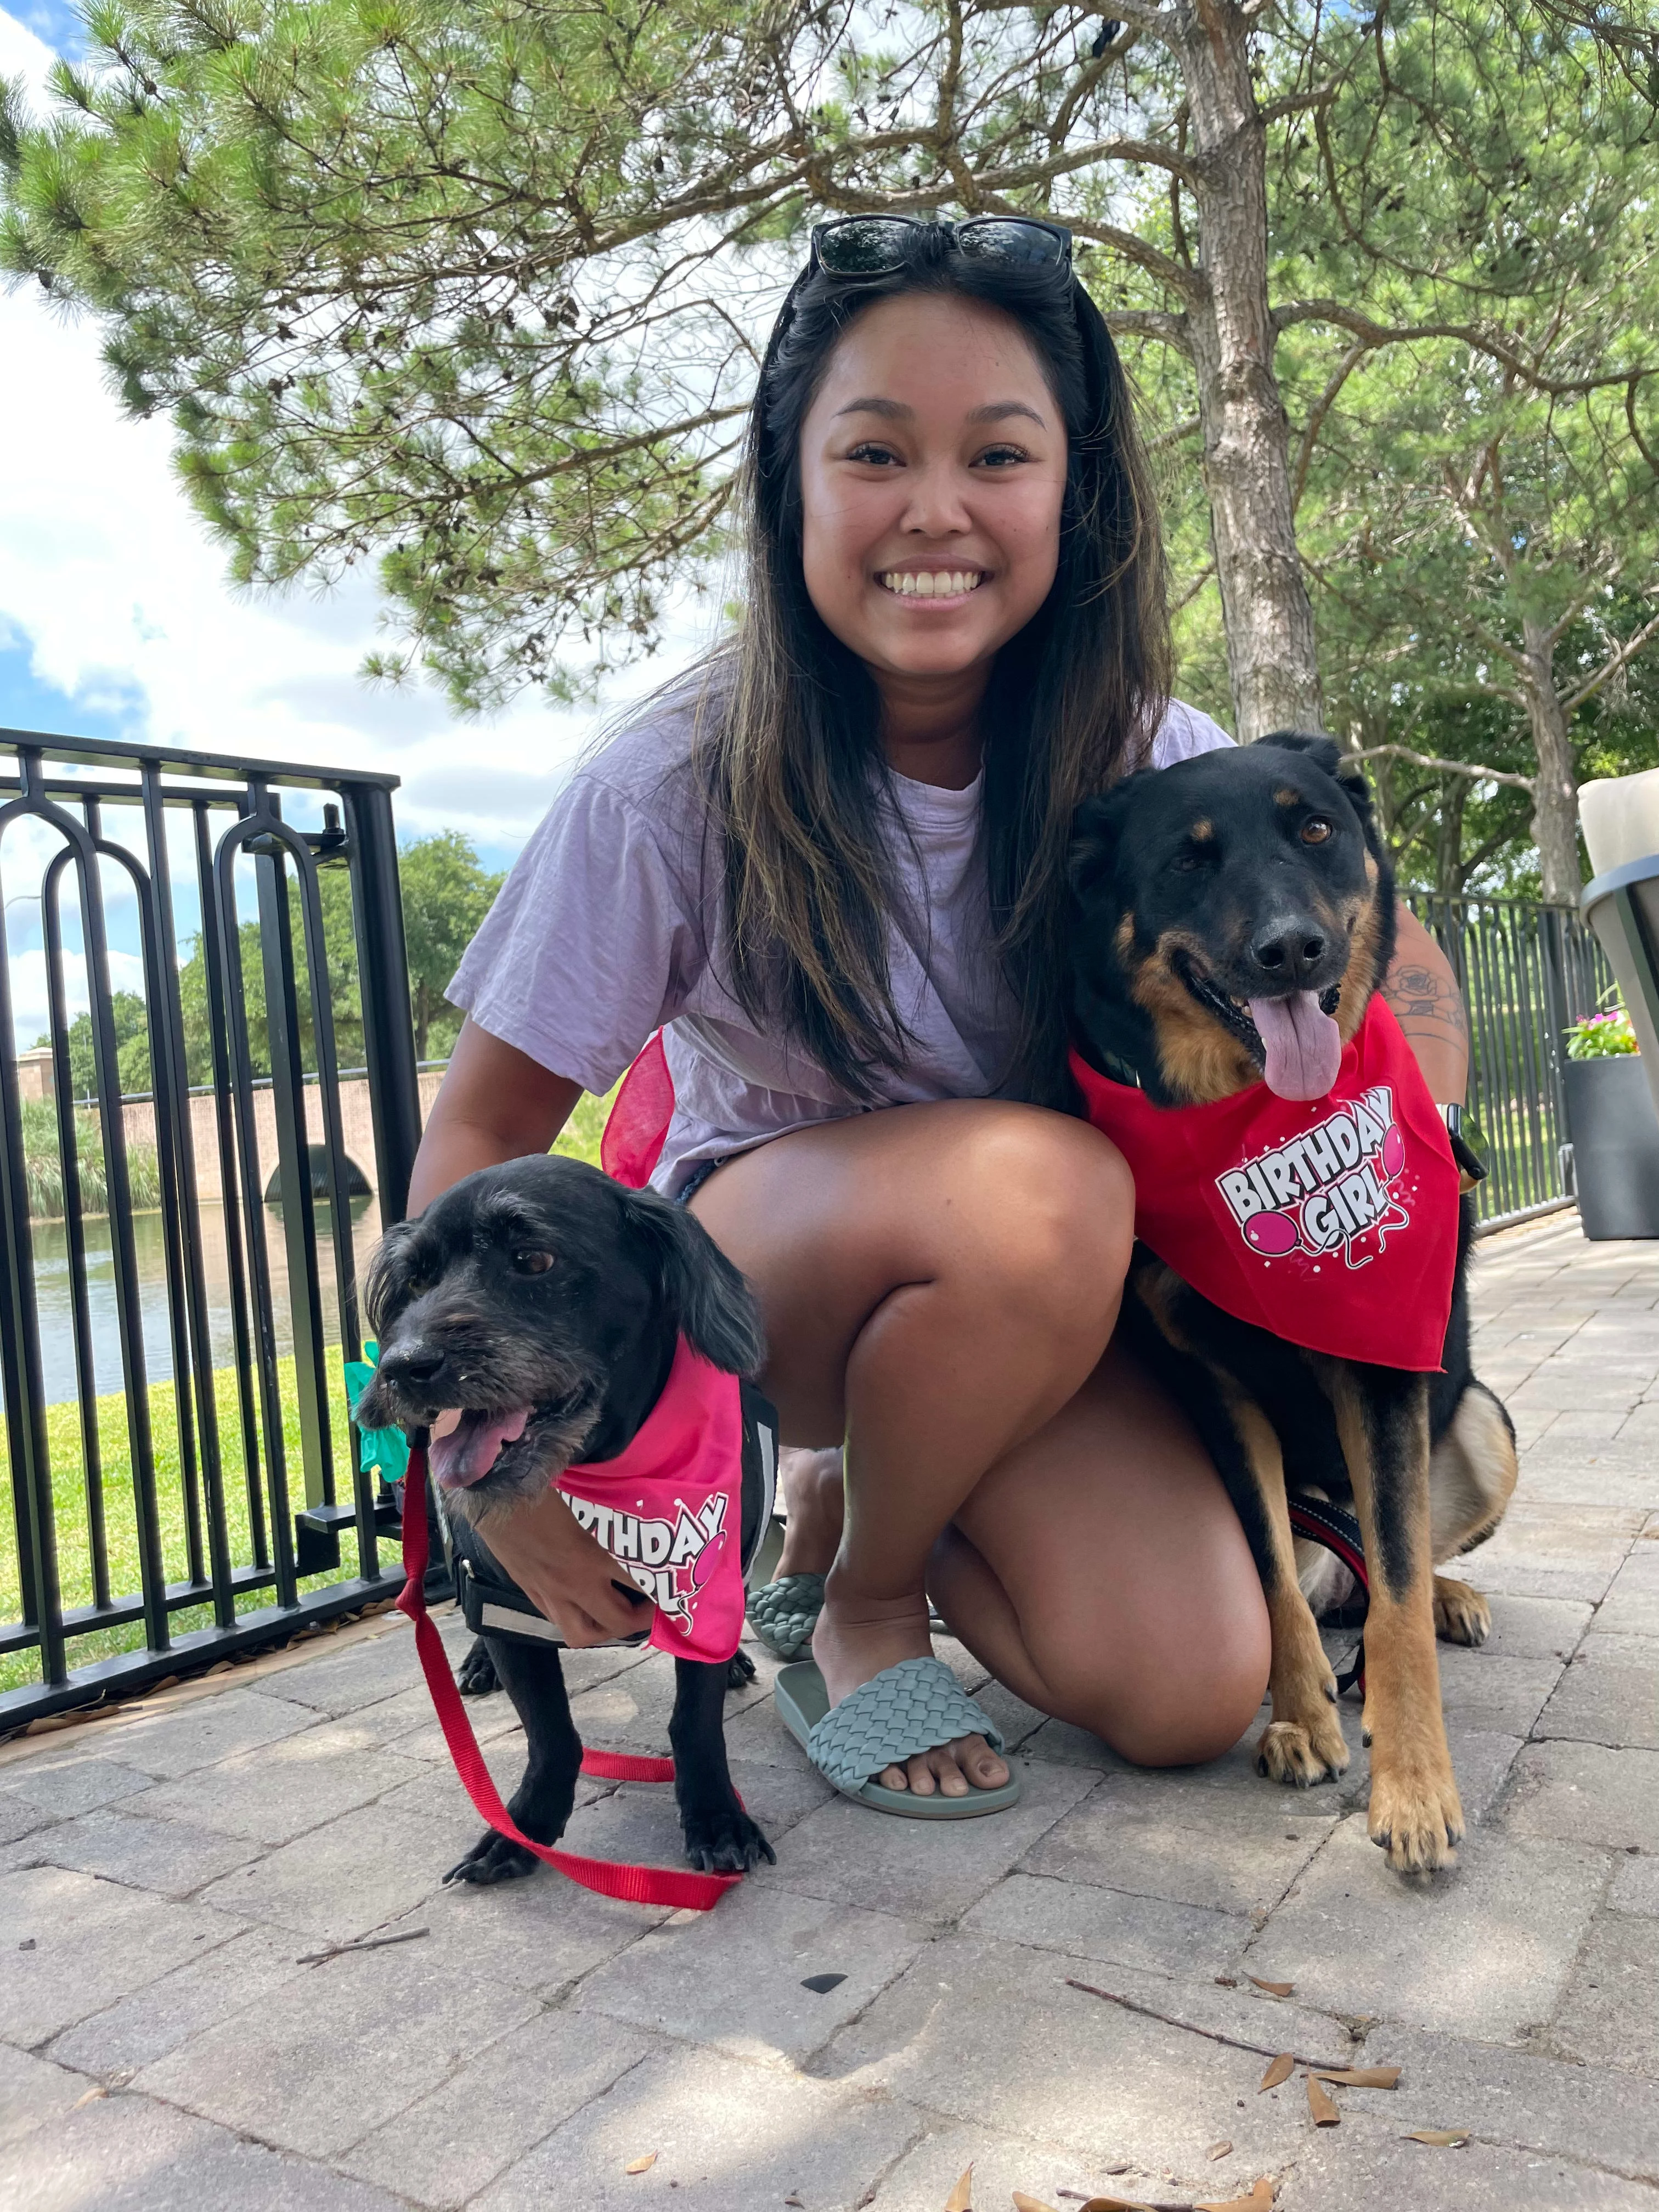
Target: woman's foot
856,1638
814,1499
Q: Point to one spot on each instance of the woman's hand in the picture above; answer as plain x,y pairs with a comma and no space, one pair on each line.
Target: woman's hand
566,1573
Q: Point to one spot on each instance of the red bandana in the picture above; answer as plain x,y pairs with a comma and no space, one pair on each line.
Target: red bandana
669,1510
1332,1223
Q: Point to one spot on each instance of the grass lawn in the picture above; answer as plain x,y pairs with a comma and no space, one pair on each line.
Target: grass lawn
580,1140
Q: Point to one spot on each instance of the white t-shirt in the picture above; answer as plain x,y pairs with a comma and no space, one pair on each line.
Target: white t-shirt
610,928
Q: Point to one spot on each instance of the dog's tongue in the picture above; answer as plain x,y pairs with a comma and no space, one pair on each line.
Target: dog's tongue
466,1455
1302,1045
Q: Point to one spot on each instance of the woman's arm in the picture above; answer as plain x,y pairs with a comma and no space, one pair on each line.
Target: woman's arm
1422,991
497,1103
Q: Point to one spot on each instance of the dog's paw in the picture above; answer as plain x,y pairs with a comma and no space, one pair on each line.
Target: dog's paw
740,1670
1416,1818
1302,1756
476,1676
725,1841
492,1858
1462,1615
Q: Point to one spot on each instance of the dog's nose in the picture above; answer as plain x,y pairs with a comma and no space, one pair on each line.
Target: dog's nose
410,1367
1289,951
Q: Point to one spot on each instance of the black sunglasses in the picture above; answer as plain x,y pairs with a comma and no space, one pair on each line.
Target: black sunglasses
880,245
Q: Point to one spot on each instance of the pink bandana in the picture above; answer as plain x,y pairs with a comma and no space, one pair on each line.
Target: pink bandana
1331,1223
669,1510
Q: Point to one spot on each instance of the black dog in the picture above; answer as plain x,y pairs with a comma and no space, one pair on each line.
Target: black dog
1243,892
547,1302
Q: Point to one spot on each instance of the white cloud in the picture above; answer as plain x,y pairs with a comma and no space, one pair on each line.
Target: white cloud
29,987
111,582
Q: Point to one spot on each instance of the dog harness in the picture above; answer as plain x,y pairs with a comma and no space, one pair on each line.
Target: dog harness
1332,1223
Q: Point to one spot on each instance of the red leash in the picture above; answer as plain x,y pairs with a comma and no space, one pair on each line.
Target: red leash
638,1884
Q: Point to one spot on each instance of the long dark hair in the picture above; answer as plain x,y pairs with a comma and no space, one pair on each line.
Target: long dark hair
792,760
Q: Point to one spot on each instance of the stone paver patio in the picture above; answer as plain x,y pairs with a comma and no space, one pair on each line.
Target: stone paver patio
163,1873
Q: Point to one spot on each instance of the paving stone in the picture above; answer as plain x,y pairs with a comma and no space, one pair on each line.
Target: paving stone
923,2179
630,1711
129,2153
18,1818
341,1880
733,1980
988,2033
444,2149
157,2017
929,1870
170,1856
1628,1609
1234,1850
176,1741
346,1682
334,2054
541,1934
93,1940
65,1788
1534,1628
731,2136
641,1821
1609,2015
1112,1925
1587,1426
1635,1886
1484,1692
1372,2166
1612,1474
281,1789
1482,1764
1479,1951
1555,1550
1605,1705
1639,1652
1585,1793
34,2091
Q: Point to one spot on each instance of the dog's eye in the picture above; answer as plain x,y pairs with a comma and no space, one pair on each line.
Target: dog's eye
528,1262
1316,829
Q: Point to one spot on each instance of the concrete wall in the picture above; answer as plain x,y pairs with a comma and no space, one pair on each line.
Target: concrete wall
139,1116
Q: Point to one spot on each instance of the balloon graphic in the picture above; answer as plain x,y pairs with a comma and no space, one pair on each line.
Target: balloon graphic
1272,1233
1393,1153
706,1560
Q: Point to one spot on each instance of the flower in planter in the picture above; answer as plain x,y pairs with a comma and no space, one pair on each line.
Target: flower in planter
1601,1036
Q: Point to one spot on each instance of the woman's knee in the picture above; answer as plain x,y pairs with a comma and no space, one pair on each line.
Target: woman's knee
1049,1218
1174,1692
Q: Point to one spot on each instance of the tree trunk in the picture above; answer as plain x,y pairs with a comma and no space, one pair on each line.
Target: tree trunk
1555,800
1270,659
1448,856
422,1022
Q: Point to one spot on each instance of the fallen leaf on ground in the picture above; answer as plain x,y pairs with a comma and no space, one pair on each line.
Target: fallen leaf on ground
1259,2200
1360,2077
799,2202
1323,2108
1442,2138
1024,2203
1218,2149
1274,1988
642,2165
1105,2203
960,2198
90,2098
1226,1981
821,1984
1280,2069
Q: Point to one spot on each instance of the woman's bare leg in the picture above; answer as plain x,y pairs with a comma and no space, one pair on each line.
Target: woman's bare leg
937,1283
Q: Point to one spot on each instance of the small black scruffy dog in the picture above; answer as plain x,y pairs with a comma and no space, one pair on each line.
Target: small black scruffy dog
547,1303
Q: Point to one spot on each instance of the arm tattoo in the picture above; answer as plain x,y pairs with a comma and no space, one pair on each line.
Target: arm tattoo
1417,995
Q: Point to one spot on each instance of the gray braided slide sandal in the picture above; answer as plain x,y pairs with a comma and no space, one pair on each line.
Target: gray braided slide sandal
783,1614
912,1707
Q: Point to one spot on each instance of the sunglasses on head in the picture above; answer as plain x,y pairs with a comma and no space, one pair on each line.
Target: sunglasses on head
880,245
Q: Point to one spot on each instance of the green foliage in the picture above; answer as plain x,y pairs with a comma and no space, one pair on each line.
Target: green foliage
43,1164
446,895
1603,1037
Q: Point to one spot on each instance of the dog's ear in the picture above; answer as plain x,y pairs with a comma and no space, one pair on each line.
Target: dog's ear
711,1301
1325,753
1096,829
388,1285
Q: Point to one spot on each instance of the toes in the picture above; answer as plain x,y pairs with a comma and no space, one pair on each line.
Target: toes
920,1773
893,1777
982,1764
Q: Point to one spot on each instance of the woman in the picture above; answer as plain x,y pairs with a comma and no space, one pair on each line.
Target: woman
833,865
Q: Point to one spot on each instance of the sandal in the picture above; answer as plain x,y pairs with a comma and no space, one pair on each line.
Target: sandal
912,1707
784,1613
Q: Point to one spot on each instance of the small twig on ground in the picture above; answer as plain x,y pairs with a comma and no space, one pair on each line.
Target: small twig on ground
1214,2034
365,1943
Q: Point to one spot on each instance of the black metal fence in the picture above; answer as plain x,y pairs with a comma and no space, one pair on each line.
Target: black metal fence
181,1465
1528,971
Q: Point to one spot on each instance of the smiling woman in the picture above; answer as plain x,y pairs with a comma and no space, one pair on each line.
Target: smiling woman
833,871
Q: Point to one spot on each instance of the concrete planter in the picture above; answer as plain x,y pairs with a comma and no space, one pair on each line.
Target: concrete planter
1615,1146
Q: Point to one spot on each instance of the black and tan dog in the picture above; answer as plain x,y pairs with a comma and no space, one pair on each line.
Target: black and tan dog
548,1302
1233,916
